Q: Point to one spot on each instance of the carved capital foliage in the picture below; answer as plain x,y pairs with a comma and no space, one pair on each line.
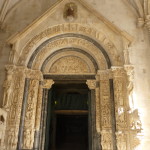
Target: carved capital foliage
91,84
47,84
104,74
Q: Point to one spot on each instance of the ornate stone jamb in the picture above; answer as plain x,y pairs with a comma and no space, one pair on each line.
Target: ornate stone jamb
32,112
105,110
29,124
14,113
45,85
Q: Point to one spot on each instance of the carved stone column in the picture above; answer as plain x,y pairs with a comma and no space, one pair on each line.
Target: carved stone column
105,107
46,85
121,107
15,106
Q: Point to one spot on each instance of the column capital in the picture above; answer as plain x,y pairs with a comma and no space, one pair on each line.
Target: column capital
104,74
34,74
117,71
91,84
47,84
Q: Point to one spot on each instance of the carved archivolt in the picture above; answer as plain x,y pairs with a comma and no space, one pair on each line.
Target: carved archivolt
79,43
69,28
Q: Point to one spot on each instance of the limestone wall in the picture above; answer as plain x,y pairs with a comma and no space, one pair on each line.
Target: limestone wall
120,13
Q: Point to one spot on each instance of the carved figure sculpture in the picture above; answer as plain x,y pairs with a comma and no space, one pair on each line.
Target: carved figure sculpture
12,139
135,122
27,139
7,91
70,12
121,141
106,141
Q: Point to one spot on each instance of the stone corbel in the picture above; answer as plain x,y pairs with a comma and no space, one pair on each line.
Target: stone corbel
91,84
47,84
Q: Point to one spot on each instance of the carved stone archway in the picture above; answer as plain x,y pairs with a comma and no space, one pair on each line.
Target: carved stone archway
73,51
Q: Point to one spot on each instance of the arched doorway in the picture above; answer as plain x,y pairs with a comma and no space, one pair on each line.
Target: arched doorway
69,54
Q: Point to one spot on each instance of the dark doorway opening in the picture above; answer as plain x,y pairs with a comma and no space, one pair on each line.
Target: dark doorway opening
68,120
72,132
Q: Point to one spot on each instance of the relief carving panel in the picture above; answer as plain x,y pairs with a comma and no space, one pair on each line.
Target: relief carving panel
28,133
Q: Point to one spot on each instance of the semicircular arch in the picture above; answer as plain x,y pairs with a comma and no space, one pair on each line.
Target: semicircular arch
98,39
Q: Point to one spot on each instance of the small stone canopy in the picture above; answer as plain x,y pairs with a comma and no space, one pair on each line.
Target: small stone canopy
45,28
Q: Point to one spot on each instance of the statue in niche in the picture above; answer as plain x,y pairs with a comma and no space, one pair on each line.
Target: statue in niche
70,12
